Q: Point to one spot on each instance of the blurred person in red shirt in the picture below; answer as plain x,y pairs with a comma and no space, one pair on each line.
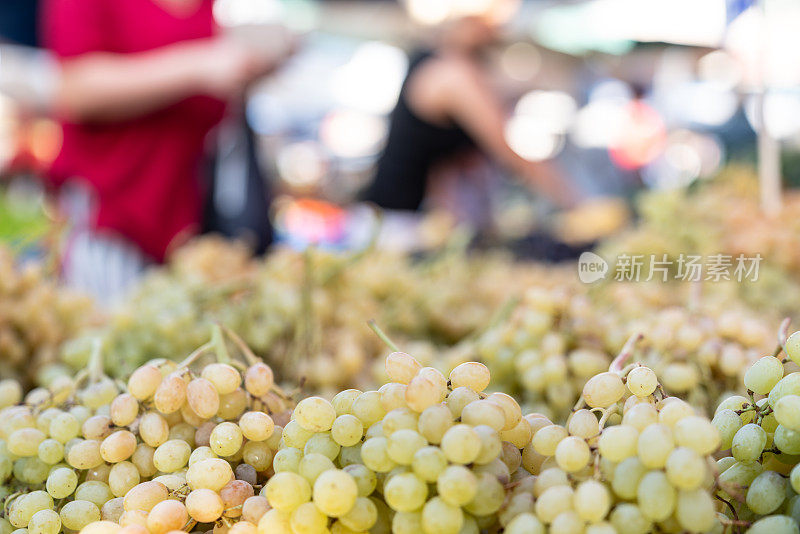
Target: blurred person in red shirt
142,84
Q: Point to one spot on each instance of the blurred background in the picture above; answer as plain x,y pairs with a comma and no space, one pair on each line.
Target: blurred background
620,95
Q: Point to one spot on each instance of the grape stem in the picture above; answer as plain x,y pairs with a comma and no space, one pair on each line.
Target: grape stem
221,350
96,361
625,354
248,354
199,351
735,523
382,335
607,412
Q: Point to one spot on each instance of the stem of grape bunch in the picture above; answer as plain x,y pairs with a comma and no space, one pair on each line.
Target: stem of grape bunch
381,334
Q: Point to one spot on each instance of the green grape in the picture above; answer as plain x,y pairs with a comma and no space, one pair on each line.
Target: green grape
656,496
347,430
461,444
525,523
123,477
685,469
64,427
77,514
787,412
206,506
61,482
295,435
489,498
727,423
440,517
212,474
287,459
618,442
655,445
362,516
484,412
748,443
286,491
792,347
31,471
603,390
787,440
459,398
393,396
343,401
695,511
572,454
50,452
403,444
567,522
788,385
324,444
434,421
398,419
407,523
774,524
365,479
698,434
45,522
428,463
762,376
226,439
25,506
307,518
591,501
741,473
641,381
367,407
375,455
94,491
627,475
405,492
172,455
25,442
315,414
628,519
312,465
457,485
553,501
335,492
766,493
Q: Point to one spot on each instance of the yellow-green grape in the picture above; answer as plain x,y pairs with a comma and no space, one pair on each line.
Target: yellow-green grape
212,474
335,492
591,501
85,454
698,434
788,385
774,524
295,435
61,482
792,347
583,424
170,394
94,491
458,398
172,455
547,439
365,478
144,381
45,522
347,430
525,523
402,445
727,423
423,392
787,440
362,516
748,443
367,407
287,459
618,442
259,379
440,517
77,514
122,478
461,444
401,367
342,402
315,414
603,390
641,381
398,419
225,378
627,475
511,409
491,445
568,521
10,393
142,458
695,511
226,439
640,416
428,463
393,396
202,397
324,444
254,508
656,497
256,426
489,498
153,429
31,471
22,509
25,442
473,375
673,411
685,469
286,491
232,405
275,521
628,519
312,465
375,455
484,412
308,518
655,445
763,375
457,485
572,454
552,502
405,492
785,411
50,452
766,493
434,421
144,496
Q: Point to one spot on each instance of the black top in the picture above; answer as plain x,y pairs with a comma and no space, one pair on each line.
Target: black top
18,22
412,148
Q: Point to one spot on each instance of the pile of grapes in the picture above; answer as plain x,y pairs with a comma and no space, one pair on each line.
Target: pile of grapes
213,444
305,313
36,316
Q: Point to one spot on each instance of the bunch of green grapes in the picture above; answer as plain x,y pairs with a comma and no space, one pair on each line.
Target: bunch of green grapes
560,337
760,477
36,316
630,460
180,444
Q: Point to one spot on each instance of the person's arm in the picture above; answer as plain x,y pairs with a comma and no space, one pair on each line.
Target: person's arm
100,86
467,99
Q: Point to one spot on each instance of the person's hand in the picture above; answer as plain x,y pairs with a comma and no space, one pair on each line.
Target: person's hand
226,67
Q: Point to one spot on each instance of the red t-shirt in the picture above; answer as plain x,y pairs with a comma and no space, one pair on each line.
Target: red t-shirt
143,171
